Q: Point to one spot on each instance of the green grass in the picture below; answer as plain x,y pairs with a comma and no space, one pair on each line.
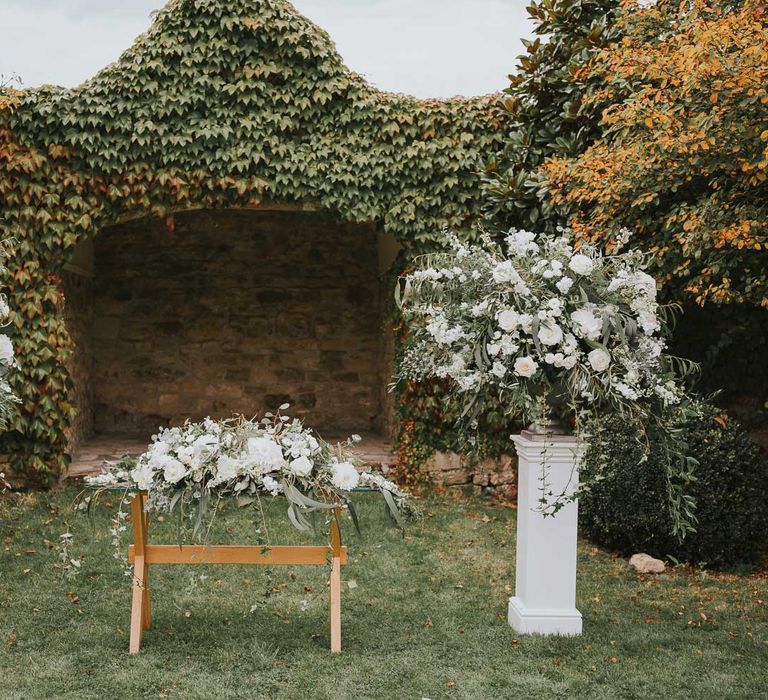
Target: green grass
427,618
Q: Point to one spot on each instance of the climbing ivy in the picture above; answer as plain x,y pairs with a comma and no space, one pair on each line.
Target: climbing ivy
222,103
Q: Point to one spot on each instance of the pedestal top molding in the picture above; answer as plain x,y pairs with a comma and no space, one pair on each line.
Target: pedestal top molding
551,449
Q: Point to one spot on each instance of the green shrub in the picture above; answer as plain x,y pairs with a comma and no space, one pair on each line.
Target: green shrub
626,509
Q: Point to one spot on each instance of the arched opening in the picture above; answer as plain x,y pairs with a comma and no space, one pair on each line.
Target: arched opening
233,311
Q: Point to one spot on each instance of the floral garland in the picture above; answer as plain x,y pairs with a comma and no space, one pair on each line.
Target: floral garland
550,331
193,466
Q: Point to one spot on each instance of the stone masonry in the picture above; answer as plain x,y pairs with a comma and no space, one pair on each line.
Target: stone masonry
236,311
496,478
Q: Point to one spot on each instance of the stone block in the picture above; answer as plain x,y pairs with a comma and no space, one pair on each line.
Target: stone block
168,403
234,309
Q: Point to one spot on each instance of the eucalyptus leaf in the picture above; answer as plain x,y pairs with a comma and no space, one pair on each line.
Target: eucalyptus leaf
393,509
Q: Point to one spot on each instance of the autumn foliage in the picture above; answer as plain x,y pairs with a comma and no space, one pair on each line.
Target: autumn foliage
682,160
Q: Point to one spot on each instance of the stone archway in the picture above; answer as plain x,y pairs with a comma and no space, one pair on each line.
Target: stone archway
228,311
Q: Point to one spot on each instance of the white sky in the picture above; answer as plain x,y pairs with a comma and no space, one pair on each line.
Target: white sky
429,48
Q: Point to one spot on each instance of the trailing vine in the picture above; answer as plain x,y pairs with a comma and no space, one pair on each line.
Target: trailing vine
220,104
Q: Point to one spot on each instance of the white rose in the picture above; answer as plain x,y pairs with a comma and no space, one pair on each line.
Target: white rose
587,323
6,350
599,360
508,320
142,477
227,468
519,242
564,285
344,476
185,455
498,369
505,272
264,454
5,310
301,466
525,367
160,447
550,333
581,264
173,470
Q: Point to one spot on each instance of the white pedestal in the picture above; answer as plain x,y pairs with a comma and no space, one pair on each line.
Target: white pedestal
545,587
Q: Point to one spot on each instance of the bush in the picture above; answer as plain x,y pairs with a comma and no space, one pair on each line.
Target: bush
626,510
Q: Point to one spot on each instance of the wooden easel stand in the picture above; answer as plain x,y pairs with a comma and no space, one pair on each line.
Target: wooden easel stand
142,555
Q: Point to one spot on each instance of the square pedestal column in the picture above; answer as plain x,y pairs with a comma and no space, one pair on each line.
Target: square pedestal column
545,586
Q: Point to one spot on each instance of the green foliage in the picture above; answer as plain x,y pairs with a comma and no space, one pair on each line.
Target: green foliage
220,104
429,415
626,509
546,105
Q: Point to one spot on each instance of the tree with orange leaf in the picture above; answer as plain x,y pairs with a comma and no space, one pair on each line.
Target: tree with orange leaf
682,160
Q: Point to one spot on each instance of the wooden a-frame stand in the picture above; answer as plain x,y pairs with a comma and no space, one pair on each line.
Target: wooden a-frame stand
142,554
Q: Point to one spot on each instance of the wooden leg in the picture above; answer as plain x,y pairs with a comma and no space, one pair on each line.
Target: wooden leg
146,608
336,606
146,618
336,584
137,605
140,613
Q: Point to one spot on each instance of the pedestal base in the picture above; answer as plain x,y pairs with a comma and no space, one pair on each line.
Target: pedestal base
566,622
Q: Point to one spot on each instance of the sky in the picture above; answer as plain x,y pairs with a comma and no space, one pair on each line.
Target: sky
428,48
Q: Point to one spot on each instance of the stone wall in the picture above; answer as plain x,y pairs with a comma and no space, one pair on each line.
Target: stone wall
78,315
494,478
237,311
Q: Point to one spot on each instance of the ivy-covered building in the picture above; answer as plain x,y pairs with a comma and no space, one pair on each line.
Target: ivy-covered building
207,226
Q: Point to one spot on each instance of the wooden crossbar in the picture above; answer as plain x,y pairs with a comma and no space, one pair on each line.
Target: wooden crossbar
142,554
237,554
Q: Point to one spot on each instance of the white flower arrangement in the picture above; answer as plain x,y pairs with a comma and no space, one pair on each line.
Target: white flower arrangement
539,321
198,463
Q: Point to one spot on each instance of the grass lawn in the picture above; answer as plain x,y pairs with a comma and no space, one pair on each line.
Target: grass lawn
423,617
